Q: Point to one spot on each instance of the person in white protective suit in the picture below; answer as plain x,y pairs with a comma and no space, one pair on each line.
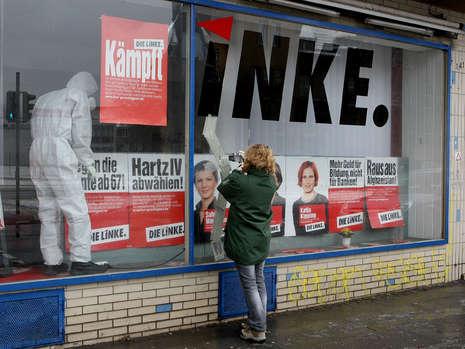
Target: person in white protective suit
61,128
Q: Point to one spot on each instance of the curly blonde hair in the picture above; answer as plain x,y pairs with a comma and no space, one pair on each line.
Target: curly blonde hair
261,157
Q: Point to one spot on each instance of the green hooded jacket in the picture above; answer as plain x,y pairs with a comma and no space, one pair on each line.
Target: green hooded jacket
247,233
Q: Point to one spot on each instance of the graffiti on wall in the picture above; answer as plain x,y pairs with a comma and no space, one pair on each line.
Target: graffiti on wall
328,284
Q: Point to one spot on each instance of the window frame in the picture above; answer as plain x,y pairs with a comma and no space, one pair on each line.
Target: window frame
190,112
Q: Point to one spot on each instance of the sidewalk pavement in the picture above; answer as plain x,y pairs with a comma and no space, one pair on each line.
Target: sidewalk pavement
425,318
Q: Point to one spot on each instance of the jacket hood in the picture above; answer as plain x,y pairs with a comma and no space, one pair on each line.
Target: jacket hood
83,81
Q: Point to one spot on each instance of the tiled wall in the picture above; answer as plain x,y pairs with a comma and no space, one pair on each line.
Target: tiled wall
115,310
457,162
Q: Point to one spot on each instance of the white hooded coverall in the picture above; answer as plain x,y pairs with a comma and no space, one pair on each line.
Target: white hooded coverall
61,127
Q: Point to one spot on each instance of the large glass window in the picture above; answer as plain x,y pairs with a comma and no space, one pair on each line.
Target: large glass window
94,101
98,164
356,124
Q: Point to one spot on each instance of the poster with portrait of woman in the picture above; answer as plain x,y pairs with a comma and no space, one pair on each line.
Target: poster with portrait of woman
278,205
307,196
206,180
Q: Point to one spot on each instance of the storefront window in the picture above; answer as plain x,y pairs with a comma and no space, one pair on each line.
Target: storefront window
356,124
98,164
94,132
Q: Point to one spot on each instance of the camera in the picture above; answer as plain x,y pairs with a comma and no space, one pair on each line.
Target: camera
236,157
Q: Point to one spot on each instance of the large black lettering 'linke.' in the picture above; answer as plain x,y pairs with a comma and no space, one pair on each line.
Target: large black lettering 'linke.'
355,86
253,64
305,79
212,85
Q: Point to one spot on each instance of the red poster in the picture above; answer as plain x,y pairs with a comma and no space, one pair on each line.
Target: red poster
275,225
345,209
383,193
312,217
134,72
346,194
157,219
277,220
156,192
109,220
108,202
210,219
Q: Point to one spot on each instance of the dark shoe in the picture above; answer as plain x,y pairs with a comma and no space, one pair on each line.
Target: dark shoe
253,336
85,268
55,269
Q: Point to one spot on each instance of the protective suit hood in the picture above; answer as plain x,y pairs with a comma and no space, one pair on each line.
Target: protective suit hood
83,81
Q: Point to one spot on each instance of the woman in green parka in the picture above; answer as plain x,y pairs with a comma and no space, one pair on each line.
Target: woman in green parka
250,191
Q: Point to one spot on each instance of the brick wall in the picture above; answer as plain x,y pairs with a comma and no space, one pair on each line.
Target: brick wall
341,279
126,309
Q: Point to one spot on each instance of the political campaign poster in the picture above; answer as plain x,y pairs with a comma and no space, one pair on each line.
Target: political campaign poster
278,205
209,217
134,72
206,180
345,194
307,196
156,194
383,193
108,201
277,220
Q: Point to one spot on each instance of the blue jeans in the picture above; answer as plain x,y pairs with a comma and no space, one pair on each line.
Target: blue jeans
253,284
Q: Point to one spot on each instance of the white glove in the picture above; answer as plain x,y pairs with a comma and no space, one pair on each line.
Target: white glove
92,103
225,167
91,171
